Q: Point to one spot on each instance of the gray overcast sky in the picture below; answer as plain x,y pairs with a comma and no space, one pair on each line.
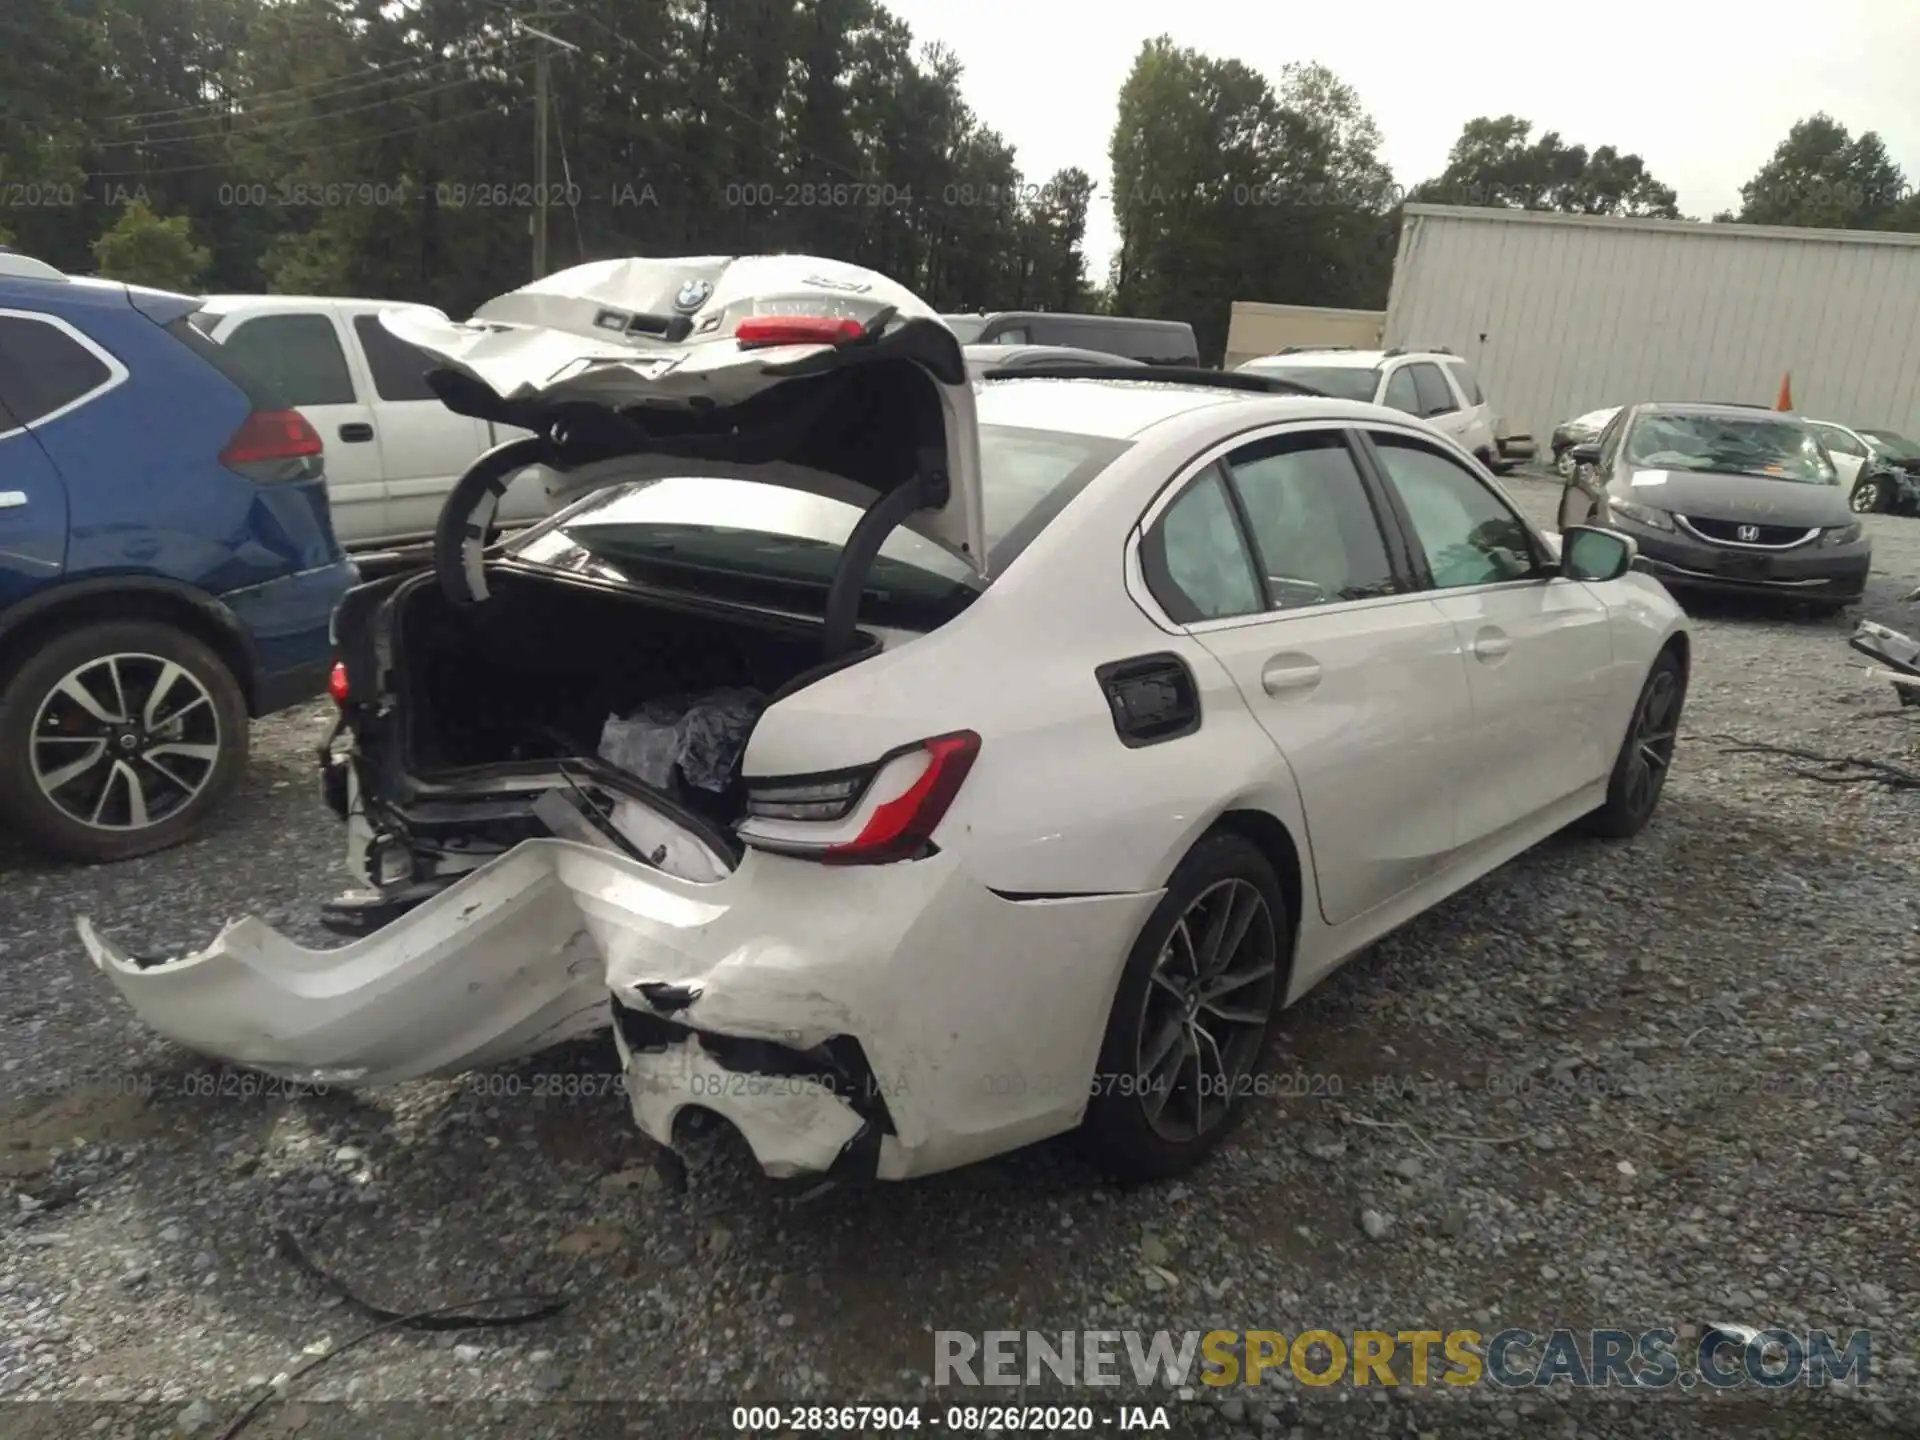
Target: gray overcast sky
1701,89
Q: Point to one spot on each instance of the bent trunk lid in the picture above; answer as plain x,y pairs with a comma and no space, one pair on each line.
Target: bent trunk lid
655,342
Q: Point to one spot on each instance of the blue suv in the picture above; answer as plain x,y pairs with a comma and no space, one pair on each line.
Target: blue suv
168,567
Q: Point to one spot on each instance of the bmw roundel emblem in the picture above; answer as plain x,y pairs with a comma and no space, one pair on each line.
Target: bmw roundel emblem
692,296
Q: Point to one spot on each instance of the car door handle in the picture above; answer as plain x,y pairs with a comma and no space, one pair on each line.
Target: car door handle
1491,644
356,434
12,499
1284,673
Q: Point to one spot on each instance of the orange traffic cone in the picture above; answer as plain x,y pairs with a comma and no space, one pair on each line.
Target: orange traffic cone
1786,392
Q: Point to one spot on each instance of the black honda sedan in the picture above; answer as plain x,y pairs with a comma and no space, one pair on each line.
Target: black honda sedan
1728,498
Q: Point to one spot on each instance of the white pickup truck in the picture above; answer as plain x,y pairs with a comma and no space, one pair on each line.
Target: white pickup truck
393,450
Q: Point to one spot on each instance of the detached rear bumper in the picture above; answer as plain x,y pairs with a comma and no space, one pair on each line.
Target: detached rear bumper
890,1019
486,971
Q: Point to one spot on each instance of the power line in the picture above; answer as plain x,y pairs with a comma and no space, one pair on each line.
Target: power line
290,90
317,149
252,106
267,127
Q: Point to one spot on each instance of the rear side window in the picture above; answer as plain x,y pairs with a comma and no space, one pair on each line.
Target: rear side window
44,369
399,369
1839,441
299,354
1436,397
1195,562
1400,392
1468,381
1315,530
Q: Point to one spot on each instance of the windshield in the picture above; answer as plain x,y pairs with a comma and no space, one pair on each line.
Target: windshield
1777,449
1339,382
1893,443
966,327
784,544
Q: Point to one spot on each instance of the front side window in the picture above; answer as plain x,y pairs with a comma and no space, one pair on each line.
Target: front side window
1766,446
299,354
1195,561
1436,397
1313,527
44,370
1401,394
1839,442
1469,382
1610,441
1467,533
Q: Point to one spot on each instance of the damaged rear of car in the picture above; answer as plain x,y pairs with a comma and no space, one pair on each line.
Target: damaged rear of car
569,763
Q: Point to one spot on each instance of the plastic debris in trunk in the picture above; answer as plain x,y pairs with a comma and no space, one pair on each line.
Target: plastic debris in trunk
696,739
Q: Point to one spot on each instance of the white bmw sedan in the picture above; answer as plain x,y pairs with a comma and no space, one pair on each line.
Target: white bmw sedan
929,766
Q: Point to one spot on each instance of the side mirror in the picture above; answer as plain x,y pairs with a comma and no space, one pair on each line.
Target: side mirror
1589,553
1588,454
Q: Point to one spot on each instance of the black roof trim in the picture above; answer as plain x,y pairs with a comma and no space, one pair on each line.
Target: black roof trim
1162,375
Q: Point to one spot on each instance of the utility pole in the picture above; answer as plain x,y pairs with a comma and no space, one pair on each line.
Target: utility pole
542,119
542,89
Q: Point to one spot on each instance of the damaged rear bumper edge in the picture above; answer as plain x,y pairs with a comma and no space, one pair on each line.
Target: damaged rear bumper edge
885,1021
494,967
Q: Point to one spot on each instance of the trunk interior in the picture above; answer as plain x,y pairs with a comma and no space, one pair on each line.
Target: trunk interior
534,672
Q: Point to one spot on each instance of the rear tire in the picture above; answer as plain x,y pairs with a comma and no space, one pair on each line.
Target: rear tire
1646,754
117,739
1189,1024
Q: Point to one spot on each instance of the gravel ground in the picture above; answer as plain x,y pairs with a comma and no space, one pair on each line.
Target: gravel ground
1689,1062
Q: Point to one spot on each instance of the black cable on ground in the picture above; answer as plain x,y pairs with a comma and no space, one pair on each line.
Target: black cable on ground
295,1255
1868,771
398,1322
437,1317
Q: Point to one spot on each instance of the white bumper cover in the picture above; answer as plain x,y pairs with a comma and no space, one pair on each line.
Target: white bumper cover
980,1017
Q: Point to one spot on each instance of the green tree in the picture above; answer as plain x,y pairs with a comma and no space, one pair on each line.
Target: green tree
52,98
1496,162
1822,176
1225,189
385,147
143,249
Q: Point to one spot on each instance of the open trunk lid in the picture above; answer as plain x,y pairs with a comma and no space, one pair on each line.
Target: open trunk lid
809,373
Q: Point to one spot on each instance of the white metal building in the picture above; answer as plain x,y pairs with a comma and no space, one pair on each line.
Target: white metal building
1562,314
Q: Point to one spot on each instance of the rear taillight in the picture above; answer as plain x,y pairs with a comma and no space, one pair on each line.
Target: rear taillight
898,829
762,330
337,683
274,445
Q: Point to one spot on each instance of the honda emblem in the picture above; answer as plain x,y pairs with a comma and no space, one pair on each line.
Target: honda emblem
1748,533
